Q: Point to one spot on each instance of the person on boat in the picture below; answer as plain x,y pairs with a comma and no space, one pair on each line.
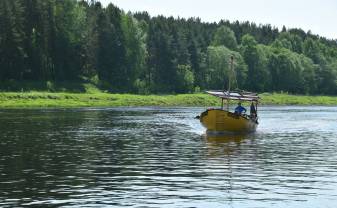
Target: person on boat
252,111
239,109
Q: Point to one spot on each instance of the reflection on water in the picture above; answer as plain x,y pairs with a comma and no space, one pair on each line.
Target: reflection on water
160,157
223,144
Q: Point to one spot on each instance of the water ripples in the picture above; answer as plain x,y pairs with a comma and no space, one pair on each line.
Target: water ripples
158,157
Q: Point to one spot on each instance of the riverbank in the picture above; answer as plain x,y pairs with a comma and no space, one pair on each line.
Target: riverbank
100,99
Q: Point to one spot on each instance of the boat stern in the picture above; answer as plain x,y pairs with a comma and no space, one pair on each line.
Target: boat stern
218,120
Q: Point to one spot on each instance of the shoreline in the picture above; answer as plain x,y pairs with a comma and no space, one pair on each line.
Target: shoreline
78,100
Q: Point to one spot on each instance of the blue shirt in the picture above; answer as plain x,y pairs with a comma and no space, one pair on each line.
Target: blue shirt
240,109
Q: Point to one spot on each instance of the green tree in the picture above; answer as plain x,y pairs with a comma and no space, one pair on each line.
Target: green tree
161,62
257,60
219,73
111,63
309,75
328,79
226,37
136,51
185,79
11,40
291,41
68,52
287,71
312,50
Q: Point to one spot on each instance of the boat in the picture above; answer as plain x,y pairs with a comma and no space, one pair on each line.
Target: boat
222,120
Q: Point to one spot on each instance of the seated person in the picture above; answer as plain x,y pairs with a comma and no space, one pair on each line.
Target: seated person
239,109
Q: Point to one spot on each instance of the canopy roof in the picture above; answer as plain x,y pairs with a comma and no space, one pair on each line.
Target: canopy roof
235,95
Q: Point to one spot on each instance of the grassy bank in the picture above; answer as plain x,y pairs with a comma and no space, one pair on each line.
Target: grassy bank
99,99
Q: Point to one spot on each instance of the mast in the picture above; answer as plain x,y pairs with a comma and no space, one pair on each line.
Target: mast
229,80
229,75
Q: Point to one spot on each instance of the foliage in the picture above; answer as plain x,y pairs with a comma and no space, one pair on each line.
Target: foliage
185,79
226,37
219,71
51,41
256,58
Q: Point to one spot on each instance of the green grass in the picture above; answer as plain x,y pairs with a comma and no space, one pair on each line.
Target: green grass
41,99
101,99
286,99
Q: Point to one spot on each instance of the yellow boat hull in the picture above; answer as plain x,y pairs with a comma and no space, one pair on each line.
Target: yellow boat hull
218,120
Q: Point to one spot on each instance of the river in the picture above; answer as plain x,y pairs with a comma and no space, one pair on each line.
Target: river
159,157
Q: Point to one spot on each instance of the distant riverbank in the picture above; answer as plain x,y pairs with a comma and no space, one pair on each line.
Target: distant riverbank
69,100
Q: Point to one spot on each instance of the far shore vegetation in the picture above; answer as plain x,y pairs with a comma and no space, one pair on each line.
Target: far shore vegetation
81,54
90,96
77,94
49,41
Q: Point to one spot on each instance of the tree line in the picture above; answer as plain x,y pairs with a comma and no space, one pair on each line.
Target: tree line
82,41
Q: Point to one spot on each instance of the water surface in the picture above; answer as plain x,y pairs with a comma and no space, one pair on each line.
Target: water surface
159,157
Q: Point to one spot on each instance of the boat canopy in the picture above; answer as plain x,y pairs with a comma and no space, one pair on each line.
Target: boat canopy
235,95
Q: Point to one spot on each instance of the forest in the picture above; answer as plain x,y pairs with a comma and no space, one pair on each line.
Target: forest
48,41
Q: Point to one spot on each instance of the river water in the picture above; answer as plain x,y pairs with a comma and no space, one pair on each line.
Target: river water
159,157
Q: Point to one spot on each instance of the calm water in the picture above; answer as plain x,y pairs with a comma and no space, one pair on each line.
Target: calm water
159,157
